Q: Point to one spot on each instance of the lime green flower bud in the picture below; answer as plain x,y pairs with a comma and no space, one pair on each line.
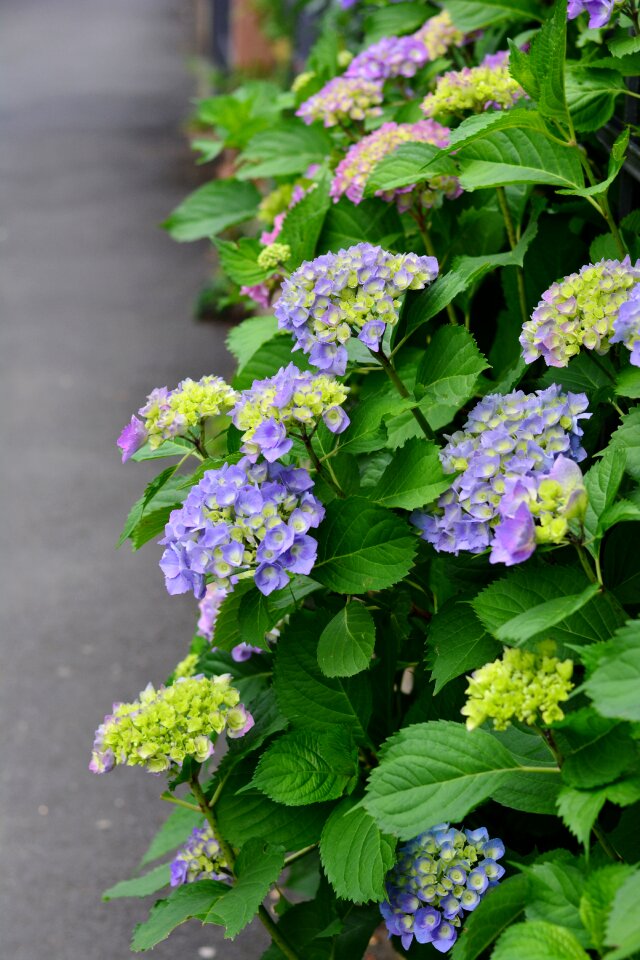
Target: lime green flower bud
273,255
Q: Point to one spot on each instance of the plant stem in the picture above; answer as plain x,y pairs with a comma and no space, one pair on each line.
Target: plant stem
513,242
272,929
327,474
390,371
613,227
299,854
586,566
178,801
431,250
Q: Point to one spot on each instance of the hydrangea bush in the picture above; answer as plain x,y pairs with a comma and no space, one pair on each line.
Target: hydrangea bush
410,706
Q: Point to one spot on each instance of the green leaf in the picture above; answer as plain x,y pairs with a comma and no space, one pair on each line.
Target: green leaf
267,360
140,886
191,900
497,911
287,148
362,547
448,374
627,438
476,126
471,15
545,615
211,209
538,940
613,685
247,337
541,71
258,866
346,643
628,383
617,158
240,262
596,750
435,771
554,896
346,224
591,95
524,790
518,156
169,448
582,375
408,164
306,697
355,854
599,892
579,810
602,483
393,21
173,832
256,617
458,642
414,478
623,925
304,767
303,223
239,115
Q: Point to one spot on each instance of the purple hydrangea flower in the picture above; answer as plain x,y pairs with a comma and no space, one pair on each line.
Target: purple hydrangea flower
260,293
224,529
600,11
209,607
507,459
201,858
132,438
336,296
404,56
626,326
343,99
440,876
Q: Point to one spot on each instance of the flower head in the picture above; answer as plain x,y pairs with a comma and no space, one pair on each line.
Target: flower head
201,858
164,726
522,686
132,438
517,484
600,11
186,667
404,56
475,89
245,518
354,292
355,169
626,325
440,876
579,311
343,99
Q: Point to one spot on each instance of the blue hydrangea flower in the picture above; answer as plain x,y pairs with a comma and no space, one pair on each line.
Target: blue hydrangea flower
626,326
239,521
508,448
600,11
440,876
354,292
201,858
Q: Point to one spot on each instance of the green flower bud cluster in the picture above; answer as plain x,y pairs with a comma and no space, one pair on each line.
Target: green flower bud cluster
522,686
165,726
186,667
273,255
275,202
172,413
300,82
474,89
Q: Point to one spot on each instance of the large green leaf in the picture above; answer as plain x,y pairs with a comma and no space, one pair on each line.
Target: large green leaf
267,359
287,148
240,261
458,642
191,900
497,911
303,223
435,771
140,886
602,483
478,125
613,685
579,809
355,854
527,790
598,895
554,895
518,156
211,209
304,767
258,866
346,643
448,374
538,940
408,164
471,15
393,20
544,616
591,95
346,224
414,478
173,832
244,339
627,438
541,70
623,925
362,547
596,750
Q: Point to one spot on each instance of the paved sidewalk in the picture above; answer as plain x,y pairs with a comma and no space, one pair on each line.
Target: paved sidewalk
96,310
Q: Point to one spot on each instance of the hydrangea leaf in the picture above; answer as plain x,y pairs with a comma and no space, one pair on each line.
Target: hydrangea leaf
240,262
544,616
393,21
623,924
286,148
362,547
346,224
518,156
602,483
303,223
497,911
592,95
555,889
247,337
409,163
211,209
356,854
173,832
538,940
457,642
476,126
596,750
600,889
258,866
525,791
191,900
545,65
267,359
414,478
474,15
303,767
346,643
140,886
448,374
627,438
613,685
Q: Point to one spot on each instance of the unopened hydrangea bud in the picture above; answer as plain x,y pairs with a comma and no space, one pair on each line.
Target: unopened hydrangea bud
579,311
626,326
343,99
274,203
354,292
439,877
164,726
355,169
521,685
201,858
186,667
474,89
301,81
273,255
600,11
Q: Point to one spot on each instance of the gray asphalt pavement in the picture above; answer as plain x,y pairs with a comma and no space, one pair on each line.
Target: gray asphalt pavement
96,310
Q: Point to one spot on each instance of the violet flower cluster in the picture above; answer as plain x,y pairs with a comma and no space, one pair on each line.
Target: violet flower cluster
200,858
404,56
288,399
580,311
354,292
341,100
474,89
508,448
242,520
600,11
626,326
354,170
440,876
173,413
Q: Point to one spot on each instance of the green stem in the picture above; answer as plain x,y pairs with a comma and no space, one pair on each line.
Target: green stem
603,206
513,241
328,473
390,371
272,929
179,802
431,250
586,566
299,854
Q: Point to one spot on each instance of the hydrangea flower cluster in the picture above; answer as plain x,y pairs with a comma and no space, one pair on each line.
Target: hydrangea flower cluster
166,725
626,326
343,99
440,875
474,89
290,397
404,56
600,11
246,518
186,667
273,255
172,413
201,858
354,170
354,292
522,685
579,311
508,445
